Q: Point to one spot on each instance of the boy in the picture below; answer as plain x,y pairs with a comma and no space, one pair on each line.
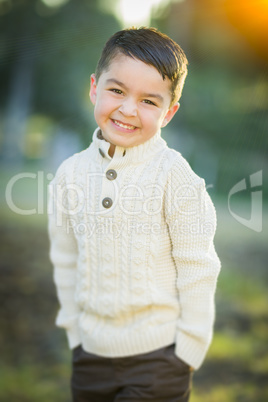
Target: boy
131,229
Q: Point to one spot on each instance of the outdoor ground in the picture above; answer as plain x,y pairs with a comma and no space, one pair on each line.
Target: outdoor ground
35,361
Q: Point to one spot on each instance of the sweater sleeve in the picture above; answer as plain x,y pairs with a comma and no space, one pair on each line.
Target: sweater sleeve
63,255
191,220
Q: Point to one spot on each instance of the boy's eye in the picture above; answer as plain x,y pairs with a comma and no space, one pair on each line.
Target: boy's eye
149,102
117,91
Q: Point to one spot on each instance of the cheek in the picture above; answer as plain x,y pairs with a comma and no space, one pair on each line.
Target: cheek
99,109
105,106
152,119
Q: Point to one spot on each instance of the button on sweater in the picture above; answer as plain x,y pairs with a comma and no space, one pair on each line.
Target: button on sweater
132,247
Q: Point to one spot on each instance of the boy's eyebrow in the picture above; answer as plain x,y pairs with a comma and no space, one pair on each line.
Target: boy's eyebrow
114,81
157,96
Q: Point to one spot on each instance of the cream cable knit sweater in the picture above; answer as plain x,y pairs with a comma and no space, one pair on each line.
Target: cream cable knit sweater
132,247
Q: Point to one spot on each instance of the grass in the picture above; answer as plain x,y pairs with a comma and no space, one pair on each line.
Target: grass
35,383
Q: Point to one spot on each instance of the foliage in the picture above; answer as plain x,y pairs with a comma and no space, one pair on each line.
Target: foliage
62,48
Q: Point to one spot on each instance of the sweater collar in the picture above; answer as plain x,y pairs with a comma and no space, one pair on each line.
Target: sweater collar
133,154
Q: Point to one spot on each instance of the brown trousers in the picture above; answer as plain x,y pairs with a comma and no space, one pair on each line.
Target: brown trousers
158,376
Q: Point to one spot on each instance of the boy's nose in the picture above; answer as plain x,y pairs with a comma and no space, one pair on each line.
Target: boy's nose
128,108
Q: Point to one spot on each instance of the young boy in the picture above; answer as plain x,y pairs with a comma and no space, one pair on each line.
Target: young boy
131,229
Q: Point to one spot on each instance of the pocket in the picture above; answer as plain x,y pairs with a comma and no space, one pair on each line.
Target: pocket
183,363
76,352
177,360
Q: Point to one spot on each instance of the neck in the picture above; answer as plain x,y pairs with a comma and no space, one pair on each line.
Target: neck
132,154
111,150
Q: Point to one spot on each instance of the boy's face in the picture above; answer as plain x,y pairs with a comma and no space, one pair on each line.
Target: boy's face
132,102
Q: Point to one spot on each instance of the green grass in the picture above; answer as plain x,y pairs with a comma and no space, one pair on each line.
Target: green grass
238,392
31,383
246,292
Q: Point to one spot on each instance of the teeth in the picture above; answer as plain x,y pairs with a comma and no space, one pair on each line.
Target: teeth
124,125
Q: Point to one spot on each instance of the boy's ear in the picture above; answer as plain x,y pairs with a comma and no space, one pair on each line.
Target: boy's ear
170,113
93,89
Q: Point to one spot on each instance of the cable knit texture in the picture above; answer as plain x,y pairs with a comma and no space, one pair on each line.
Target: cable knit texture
138,272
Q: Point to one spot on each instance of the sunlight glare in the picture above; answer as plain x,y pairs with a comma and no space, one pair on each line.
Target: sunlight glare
54,3
137,12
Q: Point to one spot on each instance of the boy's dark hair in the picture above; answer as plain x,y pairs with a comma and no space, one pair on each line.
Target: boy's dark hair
153,48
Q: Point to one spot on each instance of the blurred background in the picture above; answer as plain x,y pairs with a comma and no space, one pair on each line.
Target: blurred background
48,49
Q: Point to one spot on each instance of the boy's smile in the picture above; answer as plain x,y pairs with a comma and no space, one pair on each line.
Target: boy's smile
132,102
